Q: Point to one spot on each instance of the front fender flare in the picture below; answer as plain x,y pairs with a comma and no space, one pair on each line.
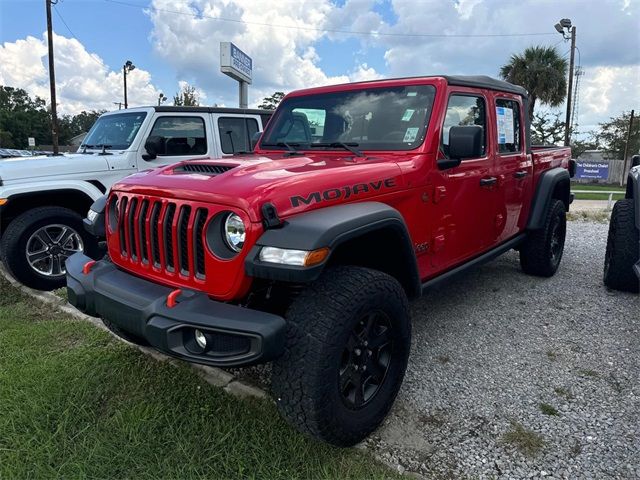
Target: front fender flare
330,227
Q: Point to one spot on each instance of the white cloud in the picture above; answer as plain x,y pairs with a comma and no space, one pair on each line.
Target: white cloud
284,58
606,92
83,81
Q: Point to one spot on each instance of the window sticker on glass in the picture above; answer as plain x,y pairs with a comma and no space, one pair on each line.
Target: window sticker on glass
411,134
411,94
408,113
505,125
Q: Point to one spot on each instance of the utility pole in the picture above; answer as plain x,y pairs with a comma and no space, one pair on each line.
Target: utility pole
52,80
626,151
567,125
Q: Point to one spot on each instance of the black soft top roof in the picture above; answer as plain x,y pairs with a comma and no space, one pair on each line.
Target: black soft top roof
483,81
245,111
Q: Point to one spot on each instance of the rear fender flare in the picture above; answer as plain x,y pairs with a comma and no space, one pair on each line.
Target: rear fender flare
544,194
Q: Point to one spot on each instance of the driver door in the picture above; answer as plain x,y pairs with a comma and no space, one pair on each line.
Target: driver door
465,196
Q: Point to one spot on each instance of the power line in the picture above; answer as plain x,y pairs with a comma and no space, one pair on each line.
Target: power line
73,35
331,30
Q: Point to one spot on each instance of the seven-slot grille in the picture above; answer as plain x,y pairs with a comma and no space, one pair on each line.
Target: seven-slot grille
164,234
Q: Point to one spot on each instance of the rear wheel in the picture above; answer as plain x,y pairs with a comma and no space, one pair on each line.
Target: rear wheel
348,339
37,243
622,248
541,252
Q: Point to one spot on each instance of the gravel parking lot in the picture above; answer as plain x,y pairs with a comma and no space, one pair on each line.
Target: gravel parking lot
517,377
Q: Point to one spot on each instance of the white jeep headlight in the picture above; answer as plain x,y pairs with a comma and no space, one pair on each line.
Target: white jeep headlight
234,232
91,216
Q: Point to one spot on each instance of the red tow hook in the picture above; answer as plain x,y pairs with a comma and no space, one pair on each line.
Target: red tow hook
87,266
172,298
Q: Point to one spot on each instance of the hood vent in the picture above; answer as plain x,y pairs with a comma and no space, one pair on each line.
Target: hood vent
203,168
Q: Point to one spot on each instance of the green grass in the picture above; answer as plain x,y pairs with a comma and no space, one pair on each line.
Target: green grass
527,441
75,403
596,188
548,409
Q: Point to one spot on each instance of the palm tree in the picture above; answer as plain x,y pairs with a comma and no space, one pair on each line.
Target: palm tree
542,72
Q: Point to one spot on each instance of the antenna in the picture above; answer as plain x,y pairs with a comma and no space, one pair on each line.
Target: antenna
576,99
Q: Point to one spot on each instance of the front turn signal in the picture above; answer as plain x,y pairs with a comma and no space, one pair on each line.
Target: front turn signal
314,257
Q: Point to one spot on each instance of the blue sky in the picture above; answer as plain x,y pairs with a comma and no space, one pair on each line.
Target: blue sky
173,41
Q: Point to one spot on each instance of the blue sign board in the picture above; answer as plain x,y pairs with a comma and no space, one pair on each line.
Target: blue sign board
235,63
592,170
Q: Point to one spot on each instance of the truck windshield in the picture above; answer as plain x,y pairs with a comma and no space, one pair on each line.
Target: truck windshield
390,118
115,131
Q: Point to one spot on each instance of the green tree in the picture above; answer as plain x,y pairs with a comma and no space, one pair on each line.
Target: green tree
83,121
186,97
547,128
22,117
270,103
578,147
542,71
612,136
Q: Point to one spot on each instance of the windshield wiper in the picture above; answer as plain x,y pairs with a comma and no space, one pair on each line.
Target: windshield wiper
104,149
347,146
84,147
289,146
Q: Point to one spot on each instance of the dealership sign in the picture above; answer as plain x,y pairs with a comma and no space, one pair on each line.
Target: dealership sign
592,170
235,63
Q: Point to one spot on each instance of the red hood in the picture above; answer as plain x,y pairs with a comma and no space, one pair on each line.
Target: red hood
291,183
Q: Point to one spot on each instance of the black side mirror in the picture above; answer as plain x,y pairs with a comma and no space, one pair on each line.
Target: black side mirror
154,146
254,140
635,161
465,141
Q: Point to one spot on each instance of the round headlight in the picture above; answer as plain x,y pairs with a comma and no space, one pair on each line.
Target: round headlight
234,232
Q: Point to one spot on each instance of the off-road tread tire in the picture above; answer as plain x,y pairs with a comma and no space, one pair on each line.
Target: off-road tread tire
622,248
318,324
17,233
124,335
535,252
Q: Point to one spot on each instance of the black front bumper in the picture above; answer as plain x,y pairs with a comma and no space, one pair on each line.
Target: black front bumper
236,336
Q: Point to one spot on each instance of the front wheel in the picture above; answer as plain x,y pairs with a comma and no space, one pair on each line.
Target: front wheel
348,340
37,243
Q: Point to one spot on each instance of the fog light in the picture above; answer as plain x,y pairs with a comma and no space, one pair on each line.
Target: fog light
201,339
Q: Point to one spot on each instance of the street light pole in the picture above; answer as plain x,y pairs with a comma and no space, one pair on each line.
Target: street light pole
126,68
124,72
52,81
567,125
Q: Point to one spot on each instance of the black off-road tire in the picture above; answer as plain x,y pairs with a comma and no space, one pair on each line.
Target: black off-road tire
320,325
14,243
124,335
541,252
622,248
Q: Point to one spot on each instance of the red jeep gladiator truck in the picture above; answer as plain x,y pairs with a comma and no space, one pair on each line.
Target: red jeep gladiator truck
357,199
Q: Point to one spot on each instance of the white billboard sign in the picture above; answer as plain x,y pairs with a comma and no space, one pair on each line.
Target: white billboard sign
235,63
32,141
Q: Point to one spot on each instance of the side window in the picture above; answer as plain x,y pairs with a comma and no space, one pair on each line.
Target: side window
180,135
236,133
508,126
464,110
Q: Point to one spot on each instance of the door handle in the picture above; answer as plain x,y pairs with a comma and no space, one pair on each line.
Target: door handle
487,182
520,174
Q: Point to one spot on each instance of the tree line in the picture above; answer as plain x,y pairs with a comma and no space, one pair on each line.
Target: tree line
22,116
